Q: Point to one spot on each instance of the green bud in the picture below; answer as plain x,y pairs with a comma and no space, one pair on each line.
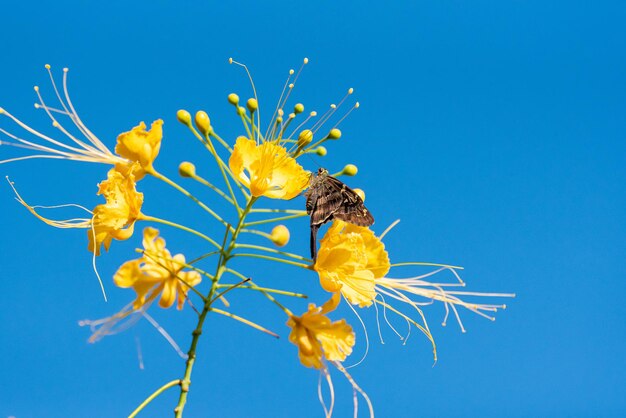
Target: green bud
183,117
350,170
233,99
187,169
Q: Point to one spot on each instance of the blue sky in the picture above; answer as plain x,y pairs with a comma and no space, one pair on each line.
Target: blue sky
494,130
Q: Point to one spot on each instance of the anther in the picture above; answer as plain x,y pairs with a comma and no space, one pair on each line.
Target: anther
47,66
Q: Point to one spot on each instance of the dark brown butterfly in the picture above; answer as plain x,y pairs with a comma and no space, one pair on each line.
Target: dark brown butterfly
328,198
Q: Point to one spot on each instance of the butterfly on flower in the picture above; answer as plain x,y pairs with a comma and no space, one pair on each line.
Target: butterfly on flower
329,198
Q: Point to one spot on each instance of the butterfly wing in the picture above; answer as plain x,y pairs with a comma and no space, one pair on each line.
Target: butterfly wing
351,209
329,198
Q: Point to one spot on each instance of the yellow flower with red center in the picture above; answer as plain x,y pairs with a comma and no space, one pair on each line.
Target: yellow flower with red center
157,272
141,146
318,338
116,217
350,259
267,169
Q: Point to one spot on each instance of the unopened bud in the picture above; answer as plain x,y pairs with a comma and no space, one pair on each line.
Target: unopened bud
233,99
280,235
252,105
321,151
361,193
298,108
187,169
183,117
305,138
334,134
241,110
203,122
350,170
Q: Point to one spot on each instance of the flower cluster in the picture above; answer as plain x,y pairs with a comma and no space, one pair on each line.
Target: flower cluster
352,263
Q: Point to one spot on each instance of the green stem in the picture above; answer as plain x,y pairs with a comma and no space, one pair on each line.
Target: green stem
296,211
178,226
221,141
214,188
282,218
189,195
245,321
272,250
266,257
220,269
153,396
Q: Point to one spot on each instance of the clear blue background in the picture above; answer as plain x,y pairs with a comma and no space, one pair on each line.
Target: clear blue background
494,130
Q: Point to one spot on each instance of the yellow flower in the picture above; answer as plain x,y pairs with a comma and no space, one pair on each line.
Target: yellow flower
157,272
318,338
116,217
267,169
350,260
141,145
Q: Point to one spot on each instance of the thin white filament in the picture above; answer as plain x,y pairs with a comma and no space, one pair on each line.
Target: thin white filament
165,335
93,259
367,340
389,228
378,321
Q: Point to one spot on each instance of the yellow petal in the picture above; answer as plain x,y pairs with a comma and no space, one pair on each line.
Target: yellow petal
267,169
141,145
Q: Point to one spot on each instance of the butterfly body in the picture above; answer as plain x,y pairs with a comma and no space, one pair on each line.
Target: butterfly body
328,198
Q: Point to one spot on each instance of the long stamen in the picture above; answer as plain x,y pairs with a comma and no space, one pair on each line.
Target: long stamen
258,112
275,114
295,80
57,125
331,112
71,115
78,122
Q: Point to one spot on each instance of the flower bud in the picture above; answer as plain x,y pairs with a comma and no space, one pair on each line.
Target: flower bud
305,138
280,235
298,108
233,99
203,122
350,170
183,117
252,105
361,193
321,151
187,169
334,134
241,110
